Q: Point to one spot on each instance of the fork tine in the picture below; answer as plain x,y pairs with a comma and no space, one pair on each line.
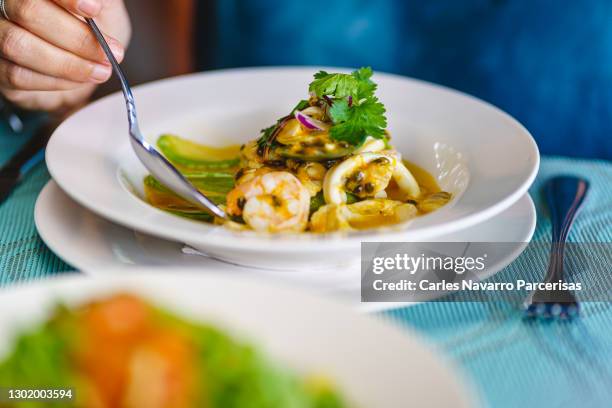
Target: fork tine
552,310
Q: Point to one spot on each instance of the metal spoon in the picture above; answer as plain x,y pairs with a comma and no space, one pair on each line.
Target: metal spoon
565,196
154,161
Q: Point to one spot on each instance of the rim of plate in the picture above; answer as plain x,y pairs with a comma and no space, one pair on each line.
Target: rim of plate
183,296
49,220
69,242
142,217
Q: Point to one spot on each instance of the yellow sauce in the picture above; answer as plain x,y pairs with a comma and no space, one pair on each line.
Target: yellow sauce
426,181
432,197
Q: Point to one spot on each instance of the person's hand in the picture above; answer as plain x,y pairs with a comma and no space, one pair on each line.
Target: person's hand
49,58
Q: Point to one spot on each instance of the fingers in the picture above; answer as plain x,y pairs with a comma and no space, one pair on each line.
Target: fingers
49,59
66,31
29,51
56,101
84,8
13,76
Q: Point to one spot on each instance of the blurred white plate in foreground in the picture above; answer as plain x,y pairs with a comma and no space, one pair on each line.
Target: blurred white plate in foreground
374,364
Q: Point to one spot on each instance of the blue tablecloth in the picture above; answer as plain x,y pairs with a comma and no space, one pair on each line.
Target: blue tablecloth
515,363
511,362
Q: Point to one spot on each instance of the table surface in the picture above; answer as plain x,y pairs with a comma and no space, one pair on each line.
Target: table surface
510,361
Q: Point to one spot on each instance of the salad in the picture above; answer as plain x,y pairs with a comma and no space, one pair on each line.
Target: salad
124,352
327,165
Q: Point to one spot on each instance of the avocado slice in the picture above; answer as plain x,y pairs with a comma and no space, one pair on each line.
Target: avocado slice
194,156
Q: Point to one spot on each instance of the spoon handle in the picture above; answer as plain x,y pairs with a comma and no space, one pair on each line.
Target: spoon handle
565,196
125,85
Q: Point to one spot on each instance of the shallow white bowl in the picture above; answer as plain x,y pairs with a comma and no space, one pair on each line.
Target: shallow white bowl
478,153
374,364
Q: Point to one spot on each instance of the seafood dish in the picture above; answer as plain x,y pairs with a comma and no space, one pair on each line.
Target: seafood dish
121,351
328,165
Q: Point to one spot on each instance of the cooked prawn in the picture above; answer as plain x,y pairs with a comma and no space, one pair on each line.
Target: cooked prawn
272,202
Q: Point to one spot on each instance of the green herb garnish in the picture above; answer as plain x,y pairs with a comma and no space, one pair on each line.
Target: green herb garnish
352,108
353,124
357,85
354,111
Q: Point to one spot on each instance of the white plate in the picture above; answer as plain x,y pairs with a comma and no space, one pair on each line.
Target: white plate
375,365
479,153
93,244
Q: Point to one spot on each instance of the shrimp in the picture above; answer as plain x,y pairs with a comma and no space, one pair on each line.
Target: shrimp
272,202
364,174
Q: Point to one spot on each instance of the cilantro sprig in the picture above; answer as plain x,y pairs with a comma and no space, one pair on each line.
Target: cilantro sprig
354,123
351,106
355,111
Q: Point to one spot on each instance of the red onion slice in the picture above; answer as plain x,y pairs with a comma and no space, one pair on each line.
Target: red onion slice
310,123
314,112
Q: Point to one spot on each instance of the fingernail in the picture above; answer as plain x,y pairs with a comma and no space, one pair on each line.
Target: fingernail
117,49
89,7
100,73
